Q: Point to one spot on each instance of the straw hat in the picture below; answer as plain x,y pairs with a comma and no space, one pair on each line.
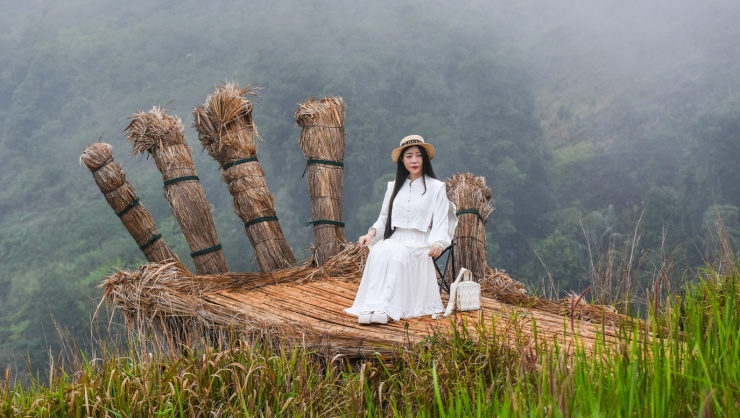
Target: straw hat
409,141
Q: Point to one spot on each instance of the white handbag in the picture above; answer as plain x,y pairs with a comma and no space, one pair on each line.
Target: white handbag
464,294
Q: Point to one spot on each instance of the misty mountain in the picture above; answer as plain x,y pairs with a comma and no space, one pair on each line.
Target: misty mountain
588,120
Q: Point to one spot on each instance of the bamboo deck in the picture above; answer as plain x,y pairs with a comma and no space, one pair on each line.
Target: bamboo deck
311,314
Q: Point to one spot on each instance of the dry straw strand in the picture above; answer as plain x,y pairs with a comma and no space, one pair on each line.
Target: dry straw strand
122,198
227,131
163,137
152,295
322,141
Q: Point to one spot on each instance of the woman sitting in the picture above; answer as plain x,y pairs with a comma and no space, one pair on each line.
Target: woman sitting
416,224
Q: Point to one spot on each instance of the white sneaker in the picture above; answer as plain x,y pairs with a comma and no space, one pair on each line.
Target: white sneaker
365,318
379,317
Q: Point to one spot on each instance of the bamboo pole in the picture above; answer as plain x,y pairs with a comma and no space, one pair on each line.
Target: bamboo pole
163,137
122,198
227,131
474,203
322,142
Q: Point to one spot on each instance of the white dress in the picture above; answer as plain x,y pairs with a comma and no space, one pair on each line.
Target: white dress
399,277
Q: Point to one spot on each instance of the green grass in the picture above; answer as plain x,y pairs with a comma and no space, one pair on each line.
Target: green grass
694,370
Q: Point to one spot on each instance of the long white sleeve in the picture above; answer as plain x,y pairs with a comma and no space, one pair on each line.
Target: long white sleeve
444,220
379,225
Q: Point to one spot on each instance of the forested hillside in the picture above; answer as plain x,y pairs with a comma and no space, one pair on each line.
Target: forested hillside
589,122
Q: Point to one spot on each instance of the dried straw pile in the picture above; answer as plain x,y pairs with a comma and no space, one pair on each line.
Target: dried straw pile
496,284
227,131
158,295
156,292
322,141
163,136
122,197
474,203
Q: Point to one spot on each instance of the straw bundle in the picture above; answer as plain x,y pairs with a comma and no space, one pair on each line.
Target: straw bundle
122,197
322,141
169,290
474,203
227,131
163,136
496,282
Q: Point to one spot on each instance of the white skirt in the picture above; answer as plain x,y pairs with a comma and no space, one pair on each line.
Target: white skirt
399,278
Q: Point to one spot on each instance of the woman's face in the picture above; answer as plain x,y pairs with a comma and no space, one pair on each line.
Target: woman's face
412,161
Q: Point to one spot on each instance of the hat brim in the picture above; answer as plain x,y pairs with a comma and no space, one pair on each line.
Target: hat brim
427,146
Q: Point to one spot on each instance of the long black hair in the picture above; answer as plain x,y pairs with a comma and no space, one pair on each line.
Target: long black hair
401,175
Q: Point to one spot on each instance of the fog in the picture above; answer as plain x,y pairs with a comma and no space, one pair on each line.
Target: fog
588,119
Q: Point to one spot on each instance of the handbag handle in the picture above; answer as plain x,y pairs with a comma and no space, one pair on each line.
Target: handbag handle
464,275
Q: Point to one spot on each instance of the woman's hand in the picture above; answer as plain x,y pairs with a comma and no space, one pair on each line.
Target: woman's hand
435,251
365,239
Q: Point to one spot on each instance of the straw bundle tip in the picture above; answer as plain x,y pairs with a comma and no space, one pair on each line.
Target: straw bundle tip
153,129
96,155
312,109
471,191
224,106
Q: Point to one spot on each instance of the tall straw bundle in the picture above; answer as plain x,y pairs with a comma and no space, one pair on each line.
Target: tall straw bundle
227,131
122,197
322,141
474,203
163,136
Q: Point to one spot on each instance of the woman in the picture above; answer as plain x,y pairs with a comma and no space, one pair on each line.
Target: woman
416,224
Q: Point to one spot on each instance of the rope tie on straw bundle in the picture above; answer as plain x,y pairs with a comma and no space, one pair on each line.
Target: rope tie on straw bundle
179,179
337,198
151,241
108,161
324,126
471,238
206,250
258,220
325,222
128,208
266,240
237,162
471,211
311,161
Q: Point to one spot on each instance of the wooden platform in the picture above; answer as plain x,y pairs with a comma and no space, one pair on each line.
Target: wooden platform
305,305
312,314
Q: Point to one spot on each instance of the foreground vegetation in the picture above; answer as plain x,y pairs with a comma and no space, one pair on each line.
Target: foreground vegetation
692,369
